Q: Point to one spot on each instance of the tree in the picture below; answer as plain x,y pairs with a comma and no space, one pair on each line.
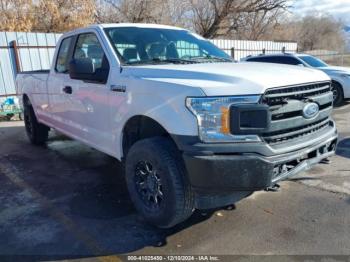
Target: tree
238,19
133,11
170,12
213,18
210,18
257,25
314,31
16,15
63,15
320,32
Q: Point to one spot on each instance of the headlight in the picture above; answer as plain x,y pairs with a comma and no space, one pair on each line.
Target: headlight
213,116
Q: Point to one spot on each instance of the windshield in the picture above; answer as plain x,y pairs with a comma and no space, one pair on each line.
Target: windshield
136,46
313,61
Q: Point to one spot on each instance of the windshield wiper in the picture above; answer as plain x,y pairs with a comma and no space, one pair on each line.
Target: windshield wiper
211,57
191,60
156,61
180,61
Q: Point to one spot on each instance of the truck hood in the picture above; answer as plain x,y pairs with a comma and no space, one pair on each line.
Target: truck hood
229,78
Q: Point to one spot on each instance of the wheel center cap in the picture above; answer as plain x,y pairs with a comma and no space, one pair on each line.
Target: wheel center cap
152,183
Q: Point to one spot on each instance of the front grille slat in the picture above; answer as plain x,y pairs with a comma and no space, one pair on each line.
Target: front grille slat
320,90
296,121
285,135
286,103
280,95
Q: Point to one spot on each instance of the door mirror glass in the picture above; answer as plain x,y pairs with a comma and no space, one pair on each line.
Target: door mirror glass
81,66
83,69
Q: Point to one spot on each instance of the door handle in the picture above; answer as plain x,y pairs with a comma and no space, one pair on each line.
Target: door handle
67,89
118,88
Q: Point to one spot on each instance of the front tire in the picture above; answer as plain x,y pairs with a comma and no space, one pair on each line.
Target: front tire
36,132
338,96
157,182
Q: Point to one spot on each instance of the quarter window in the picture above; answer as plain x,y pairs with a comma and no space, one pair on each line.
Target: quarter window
62,57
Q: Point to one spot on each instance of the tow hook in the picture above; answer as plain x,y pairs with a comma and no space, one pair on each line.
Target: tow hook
273,188
326,161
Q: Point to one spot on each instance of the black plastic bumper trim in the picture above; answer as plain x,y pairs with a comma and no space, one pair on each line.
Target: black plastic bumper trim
192,145
211,172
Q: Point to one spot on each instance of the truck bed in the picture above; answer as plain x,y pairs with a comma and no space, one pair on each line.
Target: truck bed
35,79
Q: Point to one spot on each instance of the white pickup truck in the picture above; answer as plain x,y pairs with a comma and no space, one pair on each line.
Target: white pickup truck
194,129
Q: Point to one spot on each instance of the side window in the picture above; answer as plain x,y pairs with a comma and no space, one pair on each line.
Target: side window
255,59
292,61
285,60
88,46
277,60
262,59
62,57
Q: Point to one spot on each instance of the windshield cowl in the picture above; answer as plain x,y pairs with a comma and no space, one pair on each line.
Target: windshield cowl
196,60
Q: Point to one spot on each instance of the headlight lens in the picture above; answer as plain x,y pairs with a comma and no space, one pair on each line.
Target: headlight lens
213,116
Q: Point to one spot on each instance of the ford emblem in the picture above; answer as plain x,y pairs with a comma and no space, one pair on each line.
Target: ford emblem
310,110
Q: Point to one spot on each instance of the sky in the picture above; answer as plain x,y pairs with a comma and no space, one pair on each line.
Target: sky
337,8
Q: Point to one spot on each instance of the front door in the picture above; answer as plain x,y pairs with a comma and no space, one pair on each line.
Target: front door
89,101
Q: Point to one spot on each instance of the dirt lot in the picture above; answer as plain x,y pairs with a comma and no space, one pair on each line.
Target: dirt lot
69,201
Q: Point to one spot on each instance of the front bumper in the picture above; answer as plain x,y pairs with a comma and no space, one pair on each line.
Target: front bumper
210,172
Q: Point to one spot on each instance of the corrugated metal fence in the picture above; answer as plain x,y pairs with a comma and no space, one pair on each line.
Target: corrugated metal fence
34,51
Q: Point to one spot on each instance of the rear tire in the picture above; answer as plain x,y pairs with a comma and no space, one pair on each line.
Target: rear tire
20,116
338,95
157,182
36,132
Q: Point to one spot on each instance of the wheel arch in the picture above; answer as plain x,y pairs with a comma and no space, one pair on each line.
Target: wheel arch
338,100
340,84
140,127
27,100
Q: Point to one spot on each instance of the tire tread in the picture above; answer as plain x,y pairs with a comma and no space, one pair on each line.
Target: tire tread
40,131
169,153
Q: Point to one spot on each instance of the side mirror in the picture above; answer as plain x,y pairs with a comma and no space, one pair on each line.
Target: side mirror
83,69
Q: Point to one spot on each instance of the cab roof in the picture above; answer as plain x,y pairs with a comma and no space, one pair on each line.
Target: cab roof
140,25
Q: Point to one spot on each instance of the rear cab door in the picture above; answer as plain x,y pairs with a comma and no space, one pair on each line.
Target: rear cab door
59,103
